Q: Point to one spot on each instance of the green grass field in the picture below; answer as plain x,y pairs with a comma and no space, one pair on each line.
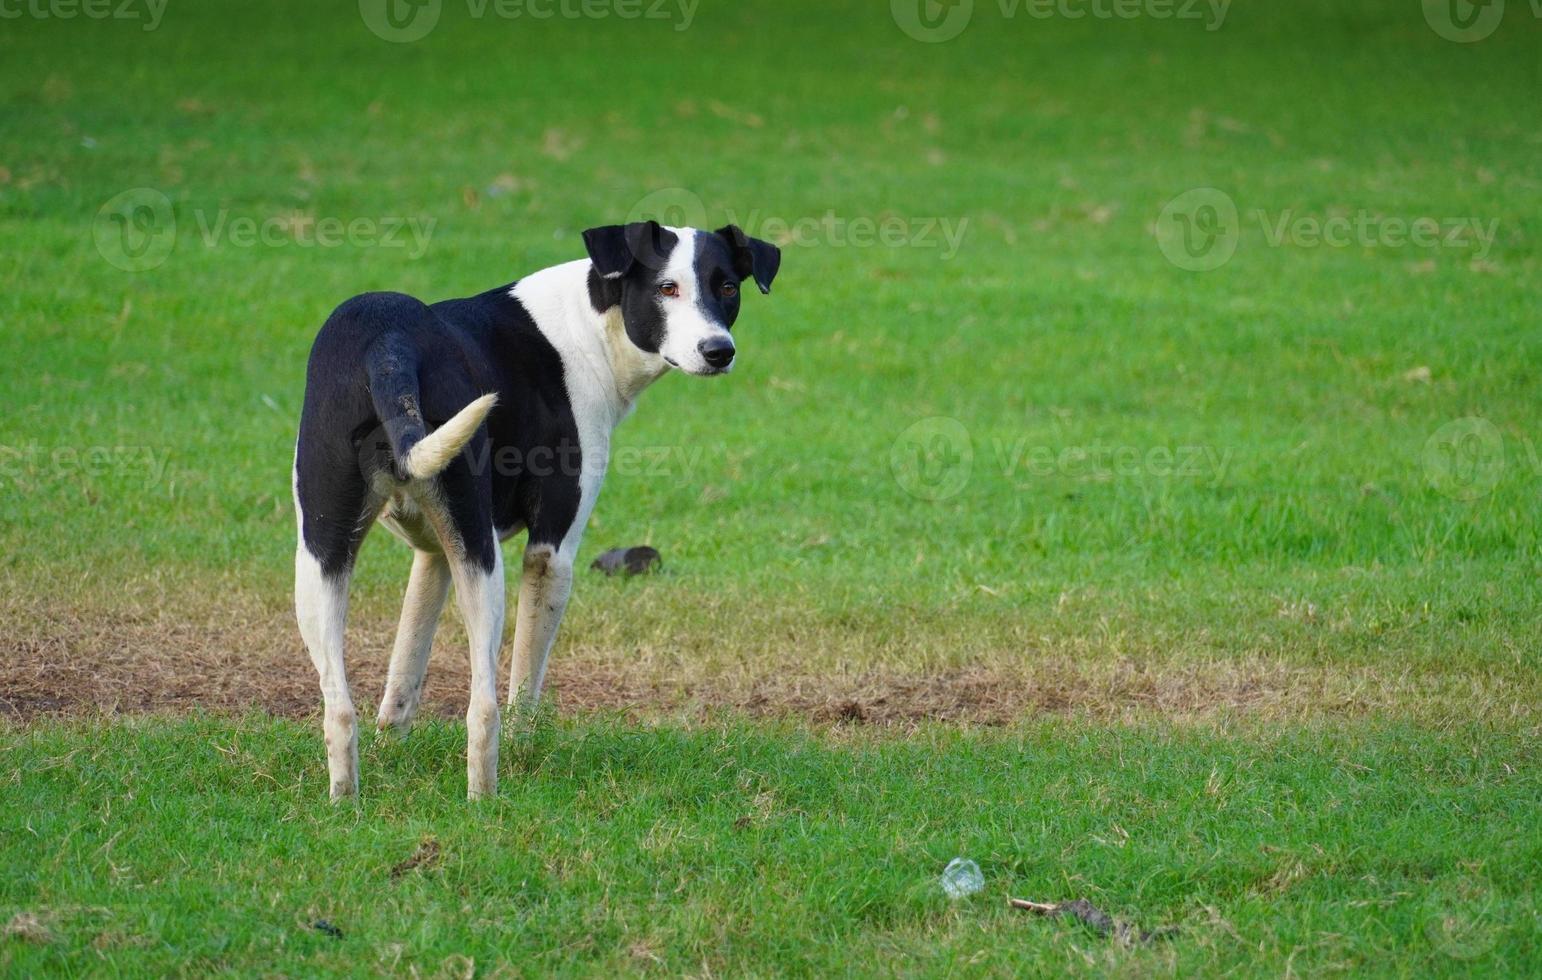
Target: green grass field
206,847
1165,397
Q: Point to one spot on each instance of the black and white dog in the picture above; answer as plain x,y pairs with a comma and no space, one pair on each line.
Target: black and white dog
460,424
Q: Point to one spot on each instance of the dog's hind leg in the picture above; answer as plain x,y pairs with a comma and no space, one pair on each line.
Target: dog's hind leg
321,606
426,592
334,509
479,591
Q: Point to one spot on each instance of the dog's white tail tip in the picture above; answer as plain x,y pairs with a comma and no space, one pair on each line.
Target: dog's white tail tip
439,448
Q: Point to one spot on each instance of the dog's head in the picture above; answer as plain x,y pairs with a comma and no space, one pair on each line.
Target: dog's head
678,288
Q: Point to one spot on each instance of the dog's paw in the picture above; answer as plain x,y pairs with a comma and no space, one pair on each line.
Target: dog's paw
393,726
396,715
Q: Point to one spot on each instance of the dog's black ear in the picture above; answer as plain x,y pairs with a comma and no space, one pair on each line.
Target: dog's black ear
615,249
752,257
608,251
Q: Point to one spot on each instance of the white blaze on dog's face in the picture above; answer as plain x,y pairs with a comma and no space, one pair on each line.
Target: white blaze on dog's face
678,288
698,296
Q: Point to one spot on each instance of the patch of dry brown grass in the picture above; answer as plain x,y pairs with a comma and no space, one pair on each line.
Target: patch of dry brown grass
241,652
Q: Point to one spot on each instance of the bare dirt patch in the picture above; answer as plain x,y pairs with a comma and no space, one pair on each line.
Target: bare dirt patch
246,655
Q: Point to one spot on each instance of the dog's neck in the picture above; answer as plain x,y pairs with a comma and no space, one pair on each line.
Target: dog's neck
605,369
632,368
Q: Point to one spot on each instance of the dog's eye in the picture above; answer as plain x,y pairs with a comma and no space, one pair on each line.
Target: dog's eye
669,289
730,289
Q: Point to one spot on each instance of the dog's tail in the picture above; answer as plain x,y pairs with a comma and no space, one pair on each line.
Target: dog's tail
419,454
435,451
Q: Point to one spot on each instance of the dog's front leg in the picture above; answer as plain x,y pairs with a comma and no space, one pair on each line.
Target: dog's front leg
543,598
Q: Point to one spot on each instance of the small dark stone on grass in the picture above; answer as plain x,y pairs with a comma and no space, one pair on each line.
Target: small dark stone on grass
850,712
426,856
1098,920
322,925
631,561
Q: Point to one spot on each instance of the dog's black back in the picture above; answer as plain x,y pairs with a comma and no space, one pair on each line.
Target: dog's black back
385,368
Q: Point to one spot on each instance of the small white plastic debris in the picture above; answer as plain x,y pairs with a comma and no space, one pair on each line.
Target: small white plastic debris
961,878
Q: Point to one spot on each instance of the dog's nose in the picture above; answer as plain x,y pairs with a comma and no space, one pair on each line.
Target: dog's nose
717,351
